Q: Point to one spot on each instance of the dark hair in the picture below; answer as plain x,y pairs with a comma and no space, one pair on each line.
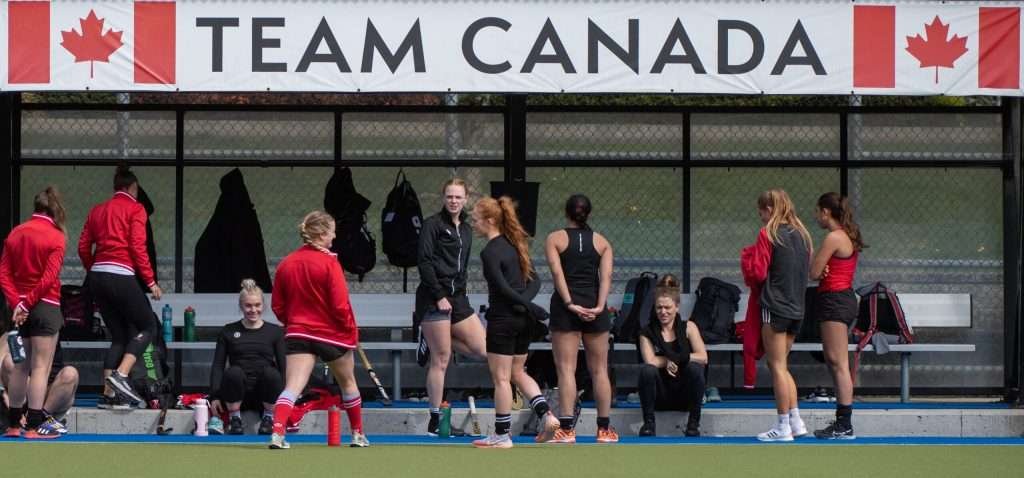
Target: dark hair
668,286
839,209
49,202
577,209
124,177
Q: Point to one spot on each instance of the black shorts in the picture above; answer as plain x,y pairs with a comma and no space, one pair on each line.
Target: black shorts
780,324
509,335
426,308
836,307
563,320
44,320
325,351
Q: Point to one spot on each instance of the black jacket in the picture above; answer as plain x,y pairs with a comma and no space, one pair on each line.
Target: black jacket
147,204
231,247
444,255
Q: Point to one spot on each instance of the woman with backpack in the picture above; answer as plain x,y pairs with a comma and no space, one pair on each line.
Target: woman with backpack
512,317
30,278
445,317
835,304
310,299
782,303
581,267
112,248
674,362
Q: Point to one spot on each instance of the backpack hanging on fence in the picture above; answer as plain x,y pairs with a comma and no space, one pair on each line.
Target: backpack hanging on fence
80,322
637,305
715,309
353,242
400,224
879,312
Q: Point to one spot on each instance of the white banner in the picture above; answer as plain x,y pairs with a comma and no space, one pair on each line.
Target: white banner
723,47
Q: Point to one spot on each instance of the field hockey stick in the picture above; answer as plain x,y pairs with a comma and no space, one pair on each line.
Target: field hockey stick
384,399
472,413
160,430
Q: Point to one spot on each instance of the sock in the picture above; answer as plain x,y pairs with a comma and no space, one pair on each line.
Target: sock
794,415
34,418
235,413
843,414
435,419
540,406
784,422
565,423
353,406
268,413
603,423
283,410
502,423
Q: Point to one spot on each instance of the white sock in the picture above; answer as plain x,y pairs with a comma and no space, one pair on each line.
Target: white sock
794,415
783,422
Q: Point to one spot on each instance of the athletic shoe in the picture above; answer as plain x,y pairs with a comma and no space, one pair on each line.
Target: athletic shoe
693,424
13,432
564,436
107,402
607,435
422,351
120,385
798,427
215,426
235,426
359,440
835,431
277,442
648,428
494,441
266,425
45,431
62,424
546,430
433,425
775,434
712,395
819,395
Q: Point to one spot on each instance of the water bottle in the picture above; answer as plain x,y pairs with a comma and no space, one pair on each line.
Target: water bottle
168,324
201,412
444,427
16,346
333,426
190,324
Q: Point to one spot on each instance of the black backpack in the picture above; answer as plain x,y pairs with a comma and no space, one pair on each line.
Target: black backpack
353,242
879,312
400,223
637,307
715,310
80,321
149,376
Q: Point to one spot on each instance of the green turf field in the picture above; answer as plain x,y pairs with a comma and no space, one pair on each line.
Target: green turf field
224,461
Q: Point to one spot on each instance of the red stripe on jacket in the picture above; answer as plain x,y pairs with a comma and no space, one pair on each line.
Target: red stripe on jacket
31,262
118,230
310,298
754,262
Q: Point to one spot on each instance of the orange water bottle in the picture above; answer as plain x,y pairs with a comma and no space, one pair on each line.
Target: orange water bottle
333,426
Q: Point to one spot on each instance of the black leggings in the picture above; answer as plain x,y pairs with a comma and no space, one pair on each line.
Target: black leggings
659,391
235,386
126,312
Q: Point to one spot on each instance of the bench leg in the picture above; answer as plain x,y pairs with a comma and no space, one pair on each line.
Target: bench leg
904,377
396,375
178,359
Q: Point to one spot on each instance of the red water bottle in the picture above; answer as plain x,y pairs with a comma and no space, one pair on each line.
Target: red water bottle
333,426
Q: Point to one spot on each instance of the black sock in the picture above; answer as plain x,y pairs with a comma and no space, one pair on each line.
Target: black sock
566,422
34,418
844,414
502,423
603,422
540,406
435,419
14,417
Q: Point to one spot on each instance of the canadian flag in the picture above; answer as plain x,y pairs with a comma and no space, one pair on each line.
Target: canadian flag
48,40
911,46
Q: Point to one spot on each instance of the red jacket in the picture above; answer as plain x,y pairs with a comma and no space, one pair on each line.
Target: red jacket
30,265
310,298
118,230
754,261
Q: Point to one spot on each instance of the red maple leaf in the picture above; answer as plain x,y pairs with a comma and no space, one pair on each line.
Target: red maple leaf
92,44
936,50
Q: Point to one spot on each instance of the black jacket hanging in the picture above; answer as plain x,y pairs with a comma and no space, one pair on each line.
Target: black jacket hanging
231,247
147,204
353,242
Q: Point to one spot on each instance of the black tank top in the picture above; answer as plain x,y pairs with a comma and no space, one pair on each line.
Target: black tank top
581,262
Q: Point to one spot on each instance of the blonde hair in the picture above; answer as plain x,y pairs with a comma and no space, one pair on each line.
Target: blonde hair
249,288
503,212
782,212
315,225
668,286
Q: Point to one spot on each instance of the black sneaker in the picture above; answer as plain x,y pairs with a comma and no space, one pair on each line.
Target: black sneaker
835,431
106,403
423,351
121,386
266,425
235,426
117,402
433,425
693,424
648,430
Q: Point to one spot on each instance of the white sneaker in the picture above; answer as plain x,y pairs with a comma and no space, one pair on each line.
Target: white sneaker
494,441
277,442
798,427
775,434
359,440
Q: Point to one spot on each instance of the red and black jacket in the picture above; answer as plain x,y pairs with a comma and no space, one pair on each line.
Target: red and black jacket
118,230
30,266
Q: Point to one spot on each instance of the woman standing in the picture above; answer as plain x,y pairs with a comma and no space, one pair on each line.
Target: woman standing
310,299
782,304
836,305
112,247
581,265
443,312
511,287
255,351
30,277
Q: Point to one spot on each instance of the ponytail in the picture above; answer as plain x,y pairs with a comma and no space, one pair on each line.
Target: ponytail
50,202
510,227
839,210
124,177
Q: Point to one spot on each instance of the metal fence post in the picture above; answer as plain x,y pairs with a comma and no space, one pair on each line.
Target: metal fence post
1011,120
6,163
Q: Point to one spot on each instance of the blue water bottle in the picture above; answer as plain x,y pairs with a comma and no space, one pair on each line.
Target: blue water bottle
16,347
168,324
